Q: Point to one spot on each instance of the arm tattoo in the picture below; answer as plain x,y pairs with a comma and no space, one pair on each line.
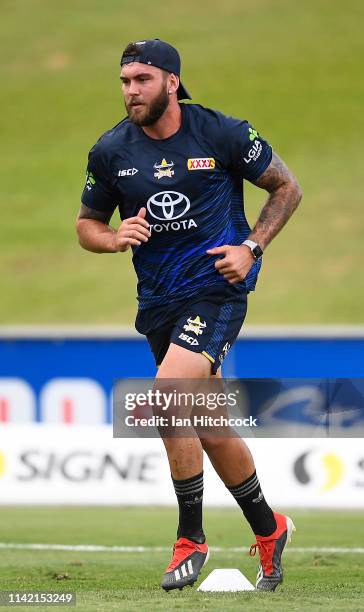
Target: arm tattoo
275,175
284,197
97,215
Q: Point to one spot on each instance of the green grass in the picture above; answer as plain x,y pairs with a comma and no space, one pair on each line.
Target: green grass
130,581
291,68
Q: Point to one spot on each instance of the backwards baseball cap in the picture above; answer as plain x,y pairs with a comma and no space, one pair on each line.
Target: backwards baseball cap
156,53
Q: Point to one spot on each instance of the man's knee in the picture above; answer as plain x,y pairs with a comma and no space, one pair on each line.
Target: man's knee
212,444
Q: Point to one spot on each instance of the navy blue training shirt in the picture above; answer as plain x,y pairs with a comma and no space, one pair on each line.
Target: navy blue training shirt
192,187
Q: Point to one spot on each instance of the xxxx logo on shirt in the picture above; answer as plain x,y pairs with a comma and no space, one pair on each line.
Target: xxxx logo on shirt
201,163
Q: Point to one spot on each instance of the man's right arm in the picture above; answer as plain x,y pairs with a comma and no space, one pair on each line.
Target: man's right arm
96,235
94,232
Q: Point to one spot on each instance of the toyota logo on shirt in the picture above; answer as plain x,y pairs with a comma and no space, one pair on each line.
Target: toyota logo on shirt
168,205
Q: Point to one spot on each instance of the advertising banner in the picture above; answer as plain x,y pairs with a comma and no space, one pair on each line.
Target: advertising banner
59,464
58,376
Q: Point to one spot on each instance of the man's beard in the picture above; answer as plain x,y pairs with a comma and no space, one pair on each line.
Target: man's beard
155,111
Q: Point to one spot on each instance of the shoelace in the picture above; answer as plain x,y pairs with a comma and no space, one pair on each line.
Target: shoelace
253,549
264,553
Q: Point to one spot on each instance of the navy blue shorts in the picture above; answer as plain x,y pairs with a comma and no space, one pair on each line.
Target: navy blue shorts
208,323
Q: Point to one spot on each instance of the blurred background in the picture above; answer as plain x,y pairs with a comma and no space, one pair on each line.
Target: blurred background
294,70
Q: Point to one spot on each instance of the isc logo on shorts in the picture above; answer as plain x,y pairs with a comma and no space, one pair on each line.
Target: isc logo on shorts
188,339
201,163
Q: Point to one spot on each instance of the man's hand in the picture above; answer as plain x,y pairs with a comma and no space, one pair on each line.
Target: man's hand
235,263
132,231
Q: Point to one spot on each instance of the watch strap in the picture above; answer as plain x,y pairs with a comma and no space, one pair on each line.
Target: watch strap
256,250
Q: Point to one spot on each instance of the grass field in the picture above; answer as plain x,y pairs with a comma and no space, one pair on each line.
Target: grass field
314,579
293,69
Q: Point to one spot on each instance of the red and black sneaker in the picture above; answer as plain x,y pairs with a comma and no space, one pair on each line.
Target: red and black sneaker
270,573
187,562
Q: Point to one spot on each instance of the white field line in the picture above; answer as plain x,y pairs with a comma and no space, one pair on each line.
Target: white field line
152,549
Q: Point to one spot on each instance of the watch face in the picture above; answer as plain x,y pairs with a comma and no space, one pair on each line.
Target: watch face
257,252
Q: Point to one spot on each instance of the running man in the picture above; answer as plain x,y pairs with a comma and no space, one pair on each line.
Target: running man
176,173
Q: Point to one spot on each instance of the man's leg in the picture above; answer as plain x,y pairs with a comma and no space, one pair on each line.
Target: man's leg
233,462
185,458
230,457
185,455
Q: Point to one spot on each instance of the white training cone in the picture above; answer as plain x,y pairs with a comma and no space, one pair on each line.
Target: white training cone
226,580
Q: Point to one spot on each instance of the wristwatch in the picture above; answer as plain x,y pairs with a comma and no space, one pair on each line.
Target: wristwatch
255,249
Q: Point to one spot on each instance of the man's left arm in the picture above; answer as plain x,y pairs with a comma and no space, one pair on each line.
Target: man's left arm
284,196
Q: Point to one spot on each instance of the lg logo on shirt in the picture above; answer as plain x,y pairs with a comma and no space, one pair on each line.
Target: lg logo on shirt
254,152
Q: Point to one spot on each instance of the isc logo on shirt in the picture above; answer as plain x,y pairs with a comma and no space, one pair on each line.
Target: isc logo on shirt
201,163
128,172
